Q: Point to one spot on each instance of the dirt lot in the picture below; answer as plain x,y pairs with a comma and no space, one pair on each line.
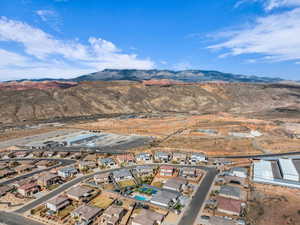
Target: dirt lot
10,199
272,205
167,125
213,146
182,132
280,144
23,133
188,132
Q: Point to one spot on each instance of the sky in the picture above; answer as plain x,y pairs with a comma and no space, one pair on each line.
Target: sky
68,38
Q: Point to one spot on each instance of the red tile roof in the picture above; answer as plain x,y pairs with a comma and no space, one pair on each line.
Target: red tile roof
228,204
28,186
166,168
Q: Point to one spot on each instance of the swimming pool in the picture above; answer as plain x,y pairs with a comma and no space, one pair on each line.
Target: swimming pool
141,198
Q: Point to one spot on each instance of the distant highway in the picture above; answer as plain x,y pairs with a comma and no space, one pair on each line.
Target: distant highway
258,156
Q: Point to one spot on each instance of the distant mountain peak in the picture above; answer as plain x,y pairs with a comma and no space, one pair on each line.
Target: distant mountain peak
182,76
187,76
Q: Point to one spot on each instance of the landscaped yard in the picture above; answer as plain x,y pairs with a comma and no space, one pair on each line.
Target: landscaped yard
52,187
102,201
109,187
158,184
66,211
126,183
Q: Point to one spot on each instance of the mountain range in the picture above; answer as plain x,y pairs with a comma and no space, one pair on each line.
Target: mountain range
112,92
190,76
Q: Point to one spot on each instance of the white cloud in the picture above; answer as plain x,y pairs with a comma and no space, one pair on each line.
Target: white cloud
10,58
44,14
270,4
276,36
51,18
42,49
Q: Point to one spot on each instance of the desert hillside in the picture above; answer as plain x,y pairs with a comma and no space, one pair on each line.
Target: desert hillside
90,98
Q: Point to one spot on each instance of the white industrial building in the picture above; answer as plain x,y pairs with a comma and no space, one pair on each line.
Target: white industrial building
284,172
288,169
262,171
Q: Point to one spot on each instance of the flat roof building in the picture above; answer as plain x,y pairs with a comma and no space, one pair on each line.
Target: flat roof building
231,192
288,169
284,172
262,171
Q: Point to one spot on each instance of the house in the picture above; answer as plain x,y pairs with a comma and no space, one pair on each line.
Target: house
4,189
125,158
239,172
48,179
43,164
197,157
28,189
20,154
166,171
86,165
122,174
48,153
63,154
102,178
86,214
90,157
24,181
228,191
24,168
188,172
217,220
162,156
107,162
147,217
229,206
144,170
112,215
58,203
6,173
3,165
67,172
79,192
143,157
179,157
76,155
37,154
234,180
174,184
165,198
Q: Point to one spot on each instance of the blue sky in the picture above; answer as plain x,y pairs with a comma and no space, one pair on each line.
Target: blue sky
66,38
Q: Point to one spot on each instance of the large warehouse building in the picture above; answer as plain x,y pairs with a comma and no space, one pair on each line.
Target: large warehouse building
283,172
288,170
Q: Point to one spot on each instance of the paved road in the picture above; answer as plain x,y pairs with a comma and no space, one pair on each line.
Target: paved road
77,180
258,156
59,190
15,219
63,162
190,215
